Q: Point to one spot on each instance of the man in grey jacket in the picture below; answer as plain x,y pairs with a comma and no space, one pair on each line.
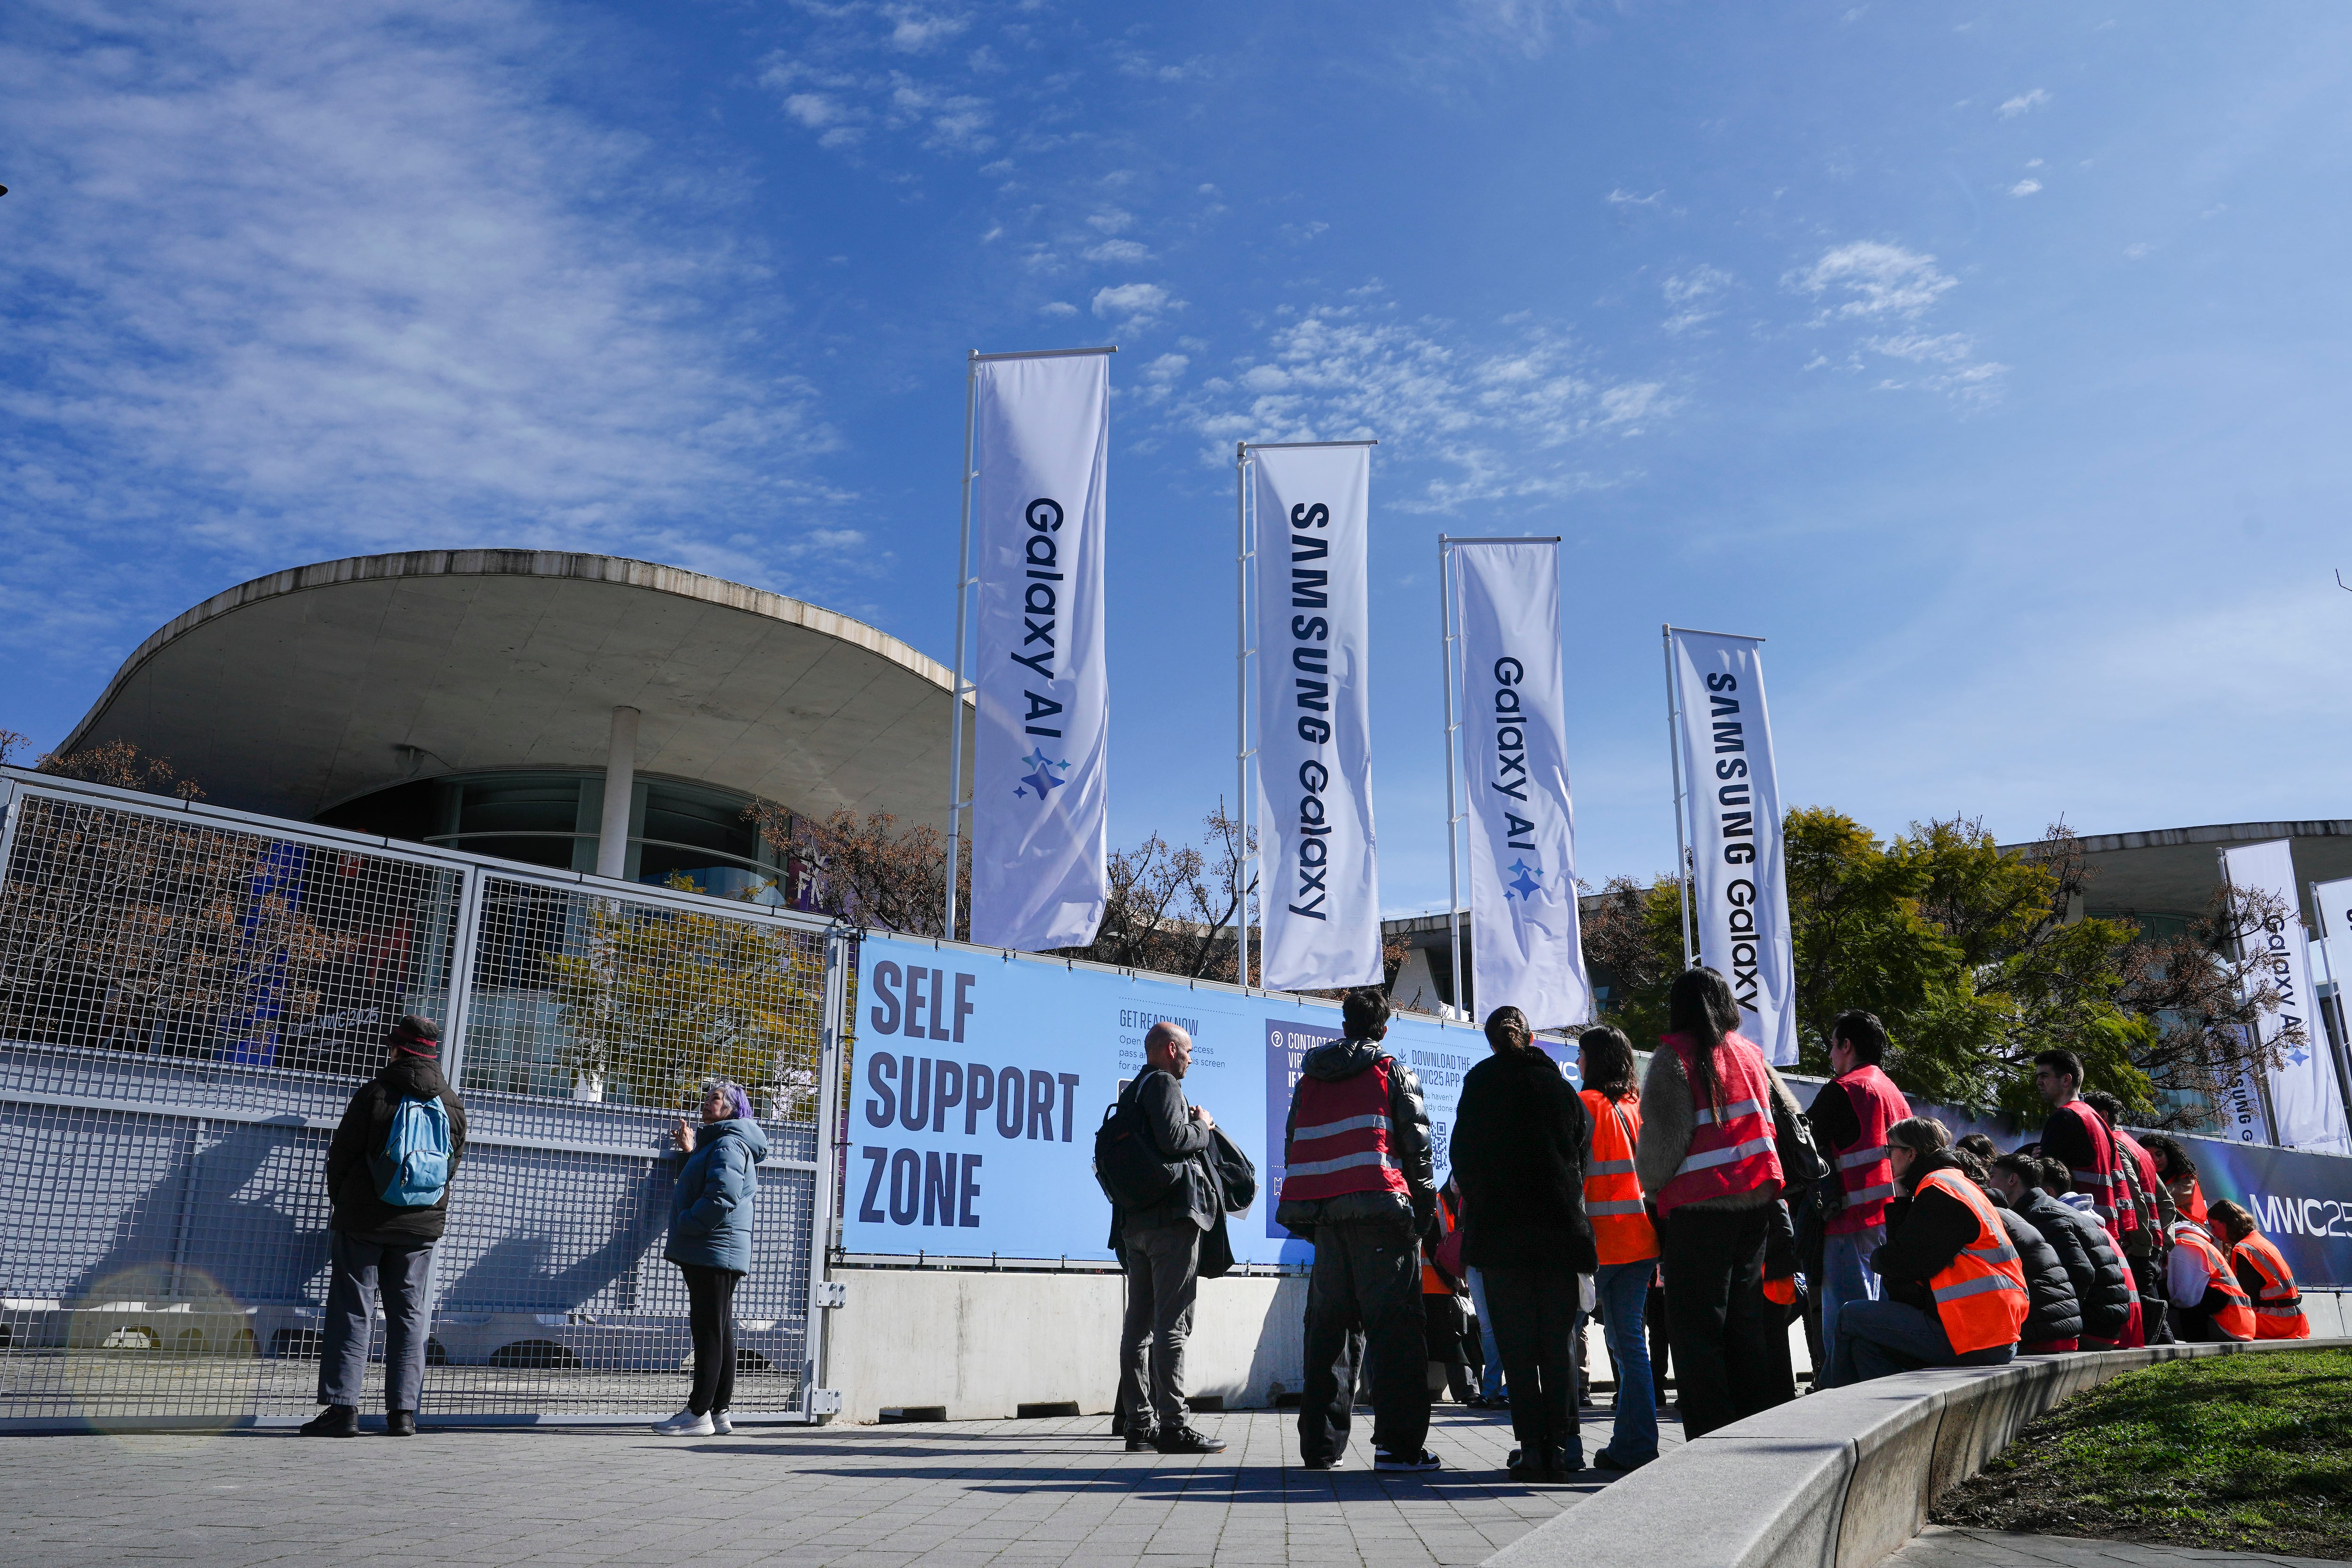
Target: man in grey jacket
1162,1242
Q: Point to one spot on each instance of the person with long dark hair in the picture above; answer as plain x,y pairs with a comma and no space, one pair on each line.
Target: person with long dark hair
1623,1238
1708,1158
1518,1152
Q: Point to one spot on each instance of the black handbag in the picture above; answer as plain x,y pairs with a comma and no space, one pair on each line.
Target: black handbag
1801,1160
1236,1176
1127,1166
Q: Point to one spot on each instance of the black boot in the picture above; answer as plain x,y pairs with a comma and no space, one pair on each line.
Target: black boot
1560,1463
334,1421
400,1423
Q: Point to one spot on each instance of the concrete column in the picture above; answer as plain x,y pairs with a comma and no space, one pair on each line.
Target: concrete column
620,788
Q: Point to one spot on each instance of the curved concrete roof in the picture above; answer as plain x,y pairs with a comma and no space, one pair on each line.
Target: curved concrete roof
2174,870
299,691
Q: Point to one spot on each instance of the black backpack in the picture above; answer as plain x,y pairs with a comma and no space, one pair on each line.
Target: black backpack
1128,1166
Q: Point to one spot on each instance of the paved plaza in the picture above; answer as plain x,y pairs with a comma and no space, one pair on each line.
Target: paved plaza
956,1493
1939,1547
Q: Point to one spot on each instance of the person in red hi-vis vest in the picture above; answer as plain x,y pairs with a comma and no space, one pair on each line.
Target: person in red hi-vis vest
1356,1182
1851,1116
1708,1158
2261,1273
1955,1290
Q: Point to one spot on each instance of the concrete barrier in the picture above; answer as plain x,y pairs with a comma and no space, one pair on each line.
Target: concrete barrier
1837,1480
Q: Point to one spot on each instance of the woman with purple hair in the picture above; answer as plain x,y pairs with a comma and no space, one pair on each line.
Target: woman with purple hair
711,1242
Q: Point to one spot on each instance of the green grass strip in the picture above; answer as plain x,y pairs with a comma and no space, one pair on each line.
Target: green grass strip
2235,1452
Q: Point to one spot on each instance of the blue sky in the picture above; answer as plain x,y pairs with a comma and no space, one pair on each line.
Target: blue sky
1989,360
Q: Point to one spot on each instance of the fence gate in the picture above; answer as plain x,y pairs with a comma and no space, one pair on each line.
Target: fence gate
189,996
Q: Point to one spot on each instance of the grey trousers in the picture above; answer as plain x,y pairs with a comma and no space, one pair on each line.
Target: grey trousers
357,1272
1163,1278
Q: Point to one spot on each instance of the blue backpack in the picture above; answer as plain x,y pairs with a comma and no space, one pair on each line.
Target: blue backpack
414,1164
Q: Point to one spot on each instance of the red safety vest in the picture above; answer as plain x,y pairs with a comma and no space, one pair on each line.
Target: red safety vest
2145,1208
1340,1137
1433,1283
1865,1174
2278,1305
2235,1316
1734,1154
2191,1202
1621,1231
2103,1183
1980,1294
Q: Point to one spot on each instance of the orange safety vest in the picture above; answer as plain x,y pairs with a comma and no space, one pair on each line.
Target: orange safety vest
2104,1183
1340,1138
2278,1305
1433,1283
1866,1174
1980,1294
1621,1231
2235,1316
1737,1154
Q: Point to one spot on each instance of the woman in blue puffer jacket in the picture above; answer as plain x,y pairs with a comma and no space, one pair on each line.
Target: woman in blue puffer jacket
711,1241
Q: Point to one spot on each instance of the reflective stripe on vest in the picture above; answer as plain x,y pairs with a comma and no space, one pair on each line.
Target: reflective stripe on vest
1621,1231
1341,1139
2235,1316
1980,1294
1865,1172
2278,1306
1735,1154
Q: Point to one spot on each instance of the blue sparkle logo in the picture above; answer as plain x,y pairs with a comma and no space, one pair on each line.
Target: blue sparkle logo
2298,1056
1040,778
1527,883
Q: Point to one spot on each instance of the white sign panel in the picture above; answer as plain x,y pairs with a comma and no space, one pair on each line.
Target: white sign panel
1525,950
2306,1107
1041,440
1318,883
1738,883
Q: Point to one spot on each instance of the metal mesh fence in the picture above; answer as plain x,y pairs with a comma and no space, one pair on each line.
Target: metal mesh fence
186,1004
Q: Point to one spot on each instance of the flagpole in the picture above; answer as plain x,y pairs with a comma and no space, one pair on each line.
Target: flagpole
1446,638
1240,712
1674,762
956,801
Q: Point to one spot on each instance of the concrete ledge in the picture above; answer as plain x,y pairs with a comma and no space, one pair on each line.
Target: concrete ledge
1837,1480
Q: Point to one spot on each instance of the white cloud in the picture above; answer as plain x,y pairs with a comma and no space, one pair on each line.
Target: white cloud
1622,198
311,281
1696,297
1167,367
1125,252
1113,221
1134,305
816,109
916,30
2025,188
2023,103
1058,307
1874,279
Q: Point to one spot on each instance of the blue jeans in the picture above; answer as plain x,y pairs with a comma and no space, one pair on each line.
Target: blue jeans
1622,1290
1846,1275
1490,1373
1879,1338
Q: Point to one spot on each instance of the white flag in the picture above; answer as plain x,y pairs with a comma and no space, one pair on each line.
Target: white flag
2307,1106
1318,884
1739,887
1041,439
1524,948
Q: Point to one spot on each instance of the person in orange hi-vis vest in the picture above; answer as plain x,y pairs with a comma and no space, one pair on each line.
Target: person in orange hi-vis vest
1849,1125
2261,1273
2209,1305
1624,1240
1709,1159
1955,1291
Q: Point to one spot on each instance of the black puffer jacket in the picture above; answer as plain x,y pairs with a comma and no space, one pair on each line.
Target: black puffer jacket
2053,1312
2102,1291
1519,1136
359,1210
1409,1129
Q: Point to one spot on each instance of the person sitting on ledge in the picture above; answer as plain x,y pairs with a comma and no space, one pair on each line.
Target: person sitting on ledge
2209,1305
2262,1274
1955,1287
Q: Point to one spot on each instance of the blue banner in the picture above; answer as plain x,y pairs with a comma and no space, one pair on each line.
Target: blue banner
980,1076
2302,1202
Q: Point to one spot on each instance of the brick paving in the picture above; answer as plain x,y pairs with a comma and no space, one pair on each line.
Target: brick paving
944,1495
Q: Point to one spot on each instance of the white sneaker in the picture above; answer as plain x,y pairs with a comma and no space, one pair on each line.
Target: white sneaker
719,1425
686,1424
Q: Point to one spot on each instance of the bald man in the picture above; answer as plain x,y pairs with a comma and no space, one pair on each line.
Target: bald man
1163,1247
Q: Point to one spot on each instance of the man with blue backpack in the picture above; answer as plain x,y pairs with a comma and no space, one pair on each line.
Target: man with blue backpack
388,1171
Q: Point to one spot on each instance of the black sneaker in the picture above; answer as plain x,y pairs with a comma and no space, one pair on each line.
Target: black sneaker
1561,1463
1607,1459
1189,1440
1518,1470
1142,1440
400,1423
334,1421
1425,1460
1329,1463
